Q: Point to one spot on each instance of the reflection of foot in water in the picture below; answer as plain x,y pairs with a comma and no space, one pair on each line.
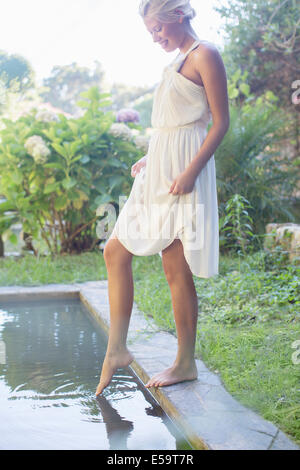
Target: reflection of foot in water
113,361
118,430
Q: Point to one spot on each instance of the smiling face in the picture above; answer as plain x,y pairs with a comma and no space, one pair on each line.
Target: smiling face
168,35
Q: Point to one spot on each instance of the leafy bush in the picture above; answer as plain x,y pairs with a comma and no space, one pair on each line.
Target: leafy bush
246,162
55,174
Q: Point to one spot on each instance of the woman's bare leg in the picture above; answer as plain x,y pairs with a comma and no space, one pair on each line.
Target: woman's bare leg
120,292
185,307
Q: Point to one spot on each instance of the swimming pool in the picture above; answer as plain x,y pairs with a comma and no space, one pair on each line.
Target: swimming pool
51,353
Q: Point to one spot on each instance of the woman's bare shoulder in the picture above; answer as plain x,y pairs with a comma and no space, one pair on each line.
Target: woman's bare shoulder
205,49
207,55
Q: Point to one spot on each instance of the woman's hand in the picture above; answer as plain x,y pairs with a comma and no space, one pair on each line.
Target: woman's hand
183,184
136,168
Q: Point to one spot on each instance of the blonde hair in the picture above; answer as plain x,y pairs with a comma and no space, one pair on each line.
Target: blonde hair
167,11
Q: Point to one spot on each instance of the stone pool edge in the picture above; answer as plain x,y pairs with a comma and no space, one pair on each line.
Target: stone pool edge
205,412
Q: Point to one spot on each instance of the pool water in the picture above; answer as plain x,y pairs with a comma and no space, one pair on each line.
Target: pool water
51,353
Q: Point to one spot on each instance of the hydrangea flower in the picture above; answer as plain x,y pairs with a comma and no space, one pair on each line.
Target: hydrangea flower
120,130
128,115
142,142
46,116
37,148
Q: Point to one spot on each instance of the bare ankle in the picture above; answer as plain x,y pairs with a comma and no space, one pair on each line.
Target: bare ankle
185,363
113,350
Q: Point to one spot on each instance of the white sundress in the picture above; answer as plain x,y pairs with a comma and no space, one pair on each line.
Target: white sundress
152,218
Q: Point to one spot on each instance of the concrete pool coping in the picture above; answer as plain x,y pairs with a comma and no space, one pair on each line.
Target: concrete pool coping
207,414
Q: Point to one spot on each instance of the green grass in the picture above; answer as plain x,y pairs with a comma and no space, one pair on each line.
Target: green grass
30,271
248,319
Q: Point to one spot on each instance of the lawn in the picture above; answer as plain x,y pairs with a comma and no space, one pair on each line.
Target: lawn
248,320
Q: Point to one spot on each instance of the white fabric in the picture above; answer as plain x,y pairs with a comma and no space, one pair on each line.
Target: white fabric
152,218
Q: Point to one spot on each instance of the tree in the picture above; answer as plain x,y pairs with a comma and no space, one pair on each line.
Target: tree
15,68
125,96
66,82
263,38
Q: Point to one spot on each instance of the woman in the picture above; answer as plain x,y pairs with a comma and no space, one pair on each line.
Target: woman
172,208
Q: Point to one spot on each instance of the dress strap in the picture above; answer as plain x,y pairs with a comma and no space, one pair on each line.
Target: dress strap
193,46
180,58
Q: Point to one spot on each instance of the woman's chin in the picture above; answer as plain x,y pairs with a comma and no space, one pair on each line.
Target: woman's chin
168,48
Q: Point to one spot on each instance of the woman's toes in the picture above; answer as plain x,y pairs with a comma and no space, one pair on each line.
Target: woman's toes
155,382
149,384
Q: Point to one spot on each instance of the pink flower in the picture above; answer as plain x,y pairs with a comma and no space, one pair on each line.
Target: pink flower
128,115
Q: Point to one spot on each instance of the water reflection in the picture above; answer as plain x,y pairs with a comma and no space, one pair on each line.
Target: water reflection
2,352
53,357
118,429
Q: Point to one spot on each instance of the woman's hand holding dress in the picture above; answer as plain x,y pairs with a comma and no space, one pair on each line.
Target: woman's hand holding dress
136,168
183,184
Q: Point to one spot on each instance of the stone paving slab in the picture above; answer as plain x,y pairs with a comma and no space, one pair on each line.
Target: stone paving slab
208,415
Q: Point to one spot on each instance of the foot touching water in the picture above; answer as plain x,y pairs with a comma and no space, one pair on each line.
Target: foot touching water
112,362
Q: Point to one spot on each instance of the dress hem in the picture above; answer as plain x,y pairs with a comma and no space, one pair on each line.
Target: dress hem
202,275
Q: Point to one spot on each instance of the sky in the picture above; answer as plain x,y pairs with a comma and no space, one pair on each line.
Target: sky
58,32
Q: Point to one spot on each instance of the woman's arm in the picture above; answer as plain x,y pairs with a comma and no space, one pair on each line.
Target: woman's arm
209,64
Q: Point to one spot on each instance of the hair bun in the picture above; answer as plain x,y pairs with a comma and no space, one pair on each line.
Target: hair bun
167,11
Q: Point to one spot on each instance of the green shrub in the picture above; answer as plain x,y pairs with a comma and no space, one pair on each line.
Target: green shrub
247,164
55,174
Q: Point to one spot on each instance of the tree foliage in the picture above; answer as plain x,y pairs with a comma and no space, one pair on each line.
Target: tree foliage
66,82
264,39
15,69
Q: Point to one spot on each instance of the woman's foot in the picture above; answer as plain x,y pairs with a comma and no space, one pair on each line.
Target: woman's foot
112,362
173,375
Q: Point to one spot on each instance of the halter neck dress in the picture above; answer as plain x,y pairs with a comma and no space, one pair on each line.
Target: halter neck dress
152,218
